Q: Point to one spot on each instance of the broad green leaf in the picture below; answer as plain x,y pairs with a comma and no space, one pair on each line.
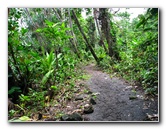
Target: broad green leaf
46,76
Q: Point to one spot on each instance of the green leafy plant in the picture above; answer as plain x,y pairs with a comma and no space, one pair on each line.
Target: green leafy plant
14,89
24,98
11,113
46,77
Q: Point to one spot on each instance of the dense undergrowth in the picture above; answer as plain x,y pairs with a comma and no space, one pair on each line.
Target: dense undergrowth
38,101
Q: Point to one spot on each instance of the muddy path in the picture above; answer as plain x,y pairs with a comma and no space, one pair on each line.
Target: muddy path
116,100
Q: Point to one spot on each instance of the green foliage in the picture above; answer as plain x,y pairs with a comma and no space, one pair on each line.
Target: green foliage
32,99
11,113
139,56
46,77
54,31
14,89
105,60
24,98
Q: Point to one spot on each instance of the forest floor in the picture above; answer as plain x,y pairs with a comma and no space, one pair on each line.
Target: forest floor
116,100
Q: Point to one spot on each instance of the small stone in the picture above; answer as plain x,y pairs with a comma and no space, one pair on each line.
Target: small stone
78,98
72,117
90,92
65,117
128,87
86,105
81,97
92,101
77,111
88,109
40,116
76,117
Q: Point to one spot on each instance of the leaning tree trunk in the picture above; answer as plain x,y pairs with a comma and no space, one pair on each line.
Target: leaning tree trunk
86,41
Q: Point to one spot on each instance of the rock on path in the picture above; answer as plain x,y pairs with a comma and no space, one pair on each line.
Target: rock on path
115,101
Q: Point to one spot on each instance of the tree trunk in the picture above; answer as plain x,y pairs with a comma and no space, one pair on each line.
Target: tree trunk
57,15
101,42
86,41
72,33
105,21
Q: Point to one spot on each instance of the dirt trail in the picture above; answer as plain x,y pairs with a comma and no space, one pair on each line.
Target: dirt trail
116,100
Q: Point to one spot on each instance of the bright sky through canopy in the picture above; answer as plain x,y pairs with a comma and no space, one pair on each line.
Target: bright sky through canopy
134,12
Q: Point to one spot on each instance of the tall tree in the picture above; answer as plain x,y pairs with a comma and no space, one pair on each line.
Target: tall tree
96,16
73,35
105,23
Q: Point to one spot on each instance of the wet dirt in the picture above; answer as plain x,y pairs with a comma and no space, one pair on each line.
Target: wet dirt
116,100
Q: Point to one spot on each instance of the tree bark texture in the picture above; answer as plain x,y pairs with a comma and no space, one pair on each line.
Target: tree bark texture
101,42
105,22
